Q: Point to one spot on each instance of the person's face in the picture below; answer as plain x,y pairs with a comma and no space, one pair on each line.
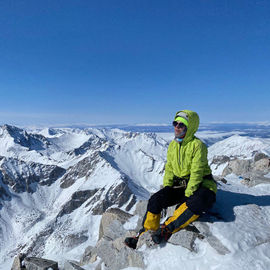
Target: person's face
179,128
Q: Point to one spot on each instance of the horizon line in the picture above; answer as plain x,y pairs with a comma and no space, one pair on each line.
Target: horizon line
110,125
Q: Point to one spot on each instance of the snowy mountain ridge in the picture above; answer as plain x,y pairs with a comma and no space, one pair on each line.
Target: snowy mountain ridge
79,173
239,146
56,183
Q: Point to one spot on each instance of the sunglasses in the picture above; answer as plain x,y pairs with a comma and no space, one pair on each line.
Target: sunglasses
177,124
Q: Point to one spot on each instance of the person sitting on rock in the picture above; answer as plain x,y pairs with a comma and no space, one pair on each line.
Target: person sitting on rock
187,183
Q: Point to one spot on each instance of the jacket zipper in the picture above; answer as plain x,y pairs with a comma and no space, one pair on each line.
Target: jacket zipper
179,160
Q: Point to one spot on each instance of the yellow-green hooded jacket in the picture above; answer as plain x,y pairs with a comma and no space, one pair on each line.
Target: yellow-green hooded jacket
188,159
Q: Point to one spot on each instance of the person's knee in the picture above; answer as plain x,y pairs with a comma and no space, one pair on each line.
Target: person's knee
158,201
201,201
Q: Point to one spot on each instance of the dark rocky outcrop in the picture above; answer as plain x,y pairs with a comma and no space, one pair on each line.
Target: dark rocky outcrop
259,156
4,192
220,159
99,200
83,168
77,199
34,263
31,141
93,143
118,195
22,176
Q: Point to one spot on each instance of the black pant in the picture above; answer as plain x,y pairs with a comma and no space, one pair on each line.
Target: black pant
201,200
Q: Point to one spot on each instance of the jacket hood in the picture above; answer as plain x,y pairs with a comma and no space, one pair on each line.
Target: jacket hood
193,124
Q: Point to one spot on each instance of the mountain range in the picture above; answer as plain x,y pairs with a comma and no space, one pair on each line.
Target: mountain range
55,183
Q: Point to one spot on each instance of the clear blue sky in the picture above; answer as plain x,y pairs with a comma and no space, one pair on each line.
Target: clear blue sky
133,61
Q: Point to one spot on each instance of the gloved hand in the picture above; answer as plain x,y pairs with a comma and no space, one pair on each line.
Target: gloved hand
167,187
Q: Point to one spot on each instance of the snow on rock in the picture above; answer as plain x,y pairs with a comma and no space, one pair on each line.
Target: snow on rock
23,176
243,156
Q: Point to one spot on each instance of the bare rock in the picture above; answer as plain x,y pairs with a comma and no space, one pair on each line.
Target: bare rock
259,156
17,263
223,180
119,242
238,167
114,230
262,165
72,265
141,207
83,168
255,179
146,239
34,263
111,224
132,258
21,180
184,238
77,199
116,260
252,170
140,210
119,194
91,253
220,159
87,256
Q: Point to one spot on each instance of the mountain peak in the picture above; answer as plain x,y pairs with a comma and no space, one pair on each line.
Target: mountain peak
239,146
12,130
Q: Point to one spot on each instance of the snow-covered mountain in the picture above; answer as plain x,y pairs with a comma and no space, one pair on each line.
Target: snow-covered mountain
240,147
56,183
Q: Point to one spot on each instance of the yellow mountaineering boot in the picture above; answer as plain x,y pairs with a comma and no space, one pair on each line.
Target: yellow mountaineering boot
151,222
